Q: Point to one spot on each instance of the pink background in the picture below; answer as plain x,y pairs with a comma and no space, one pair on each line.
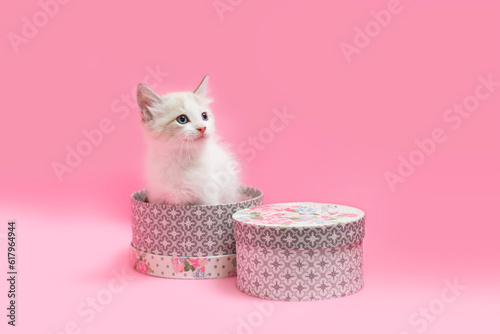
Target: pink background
352,122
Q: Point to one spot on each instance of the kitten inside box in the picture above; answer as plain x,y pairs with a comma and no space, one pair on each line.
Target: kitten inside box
186,162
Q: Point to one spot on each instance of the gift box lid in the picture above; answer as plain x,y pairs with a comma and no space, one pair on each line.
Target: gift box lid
301,225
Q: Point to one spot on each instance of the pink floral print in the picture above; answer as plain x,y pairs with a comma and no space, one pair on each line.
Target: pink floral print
289,214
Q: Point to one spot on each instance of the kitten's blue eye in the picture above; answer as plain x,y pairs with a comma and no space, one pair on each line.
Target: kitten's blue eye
182,119
204,116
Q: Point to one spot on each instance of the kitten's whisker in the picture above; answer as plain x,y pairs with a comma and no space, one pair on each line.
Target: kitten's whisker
181,152
192,148
184,144
188,149
185,152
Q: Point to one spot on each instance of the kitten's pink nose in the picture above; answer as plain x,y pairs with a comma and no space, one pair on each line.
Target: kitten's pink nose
202,130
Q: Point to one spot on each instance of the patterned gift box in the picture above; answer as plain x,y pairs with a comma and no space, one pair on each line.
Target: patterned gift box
299,251
186,241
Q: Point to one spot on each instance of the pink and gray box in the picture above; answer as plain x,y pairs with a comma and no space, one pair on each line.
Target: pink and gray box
287,251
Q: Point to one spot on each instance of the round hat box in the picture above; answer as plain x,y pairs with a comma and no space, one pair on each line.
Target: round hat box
299,251
186,241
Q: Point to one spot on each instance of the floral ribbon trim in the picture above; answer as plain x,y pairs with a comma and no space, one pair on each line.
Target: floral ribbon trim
183,267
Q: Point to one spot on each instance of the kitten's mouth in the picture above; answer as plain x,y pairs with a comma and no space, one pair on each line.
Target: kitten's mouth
196,140
200,137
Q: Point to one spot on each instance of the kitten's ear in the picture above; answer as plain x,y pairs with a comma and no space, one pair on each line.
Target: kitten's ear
202,87
146,98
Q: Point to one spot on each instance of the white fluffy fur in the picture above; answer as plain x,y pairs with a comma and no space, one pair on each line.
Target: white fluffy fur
185,166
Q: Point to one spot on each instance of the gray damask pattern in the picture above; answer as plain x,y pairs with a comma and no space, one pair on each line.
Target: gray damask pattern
294,275
310,237
183,230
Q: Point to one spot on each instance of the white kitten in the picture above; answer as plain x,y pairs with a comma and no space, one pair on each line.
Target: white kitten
185,163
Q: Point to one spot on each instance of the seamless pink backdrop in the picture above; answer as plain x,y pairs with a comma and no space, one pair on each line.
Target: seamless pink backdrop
352,117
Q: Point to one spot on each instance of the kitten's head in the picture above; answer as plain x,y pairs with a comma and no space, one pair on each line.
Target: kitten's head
180,117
